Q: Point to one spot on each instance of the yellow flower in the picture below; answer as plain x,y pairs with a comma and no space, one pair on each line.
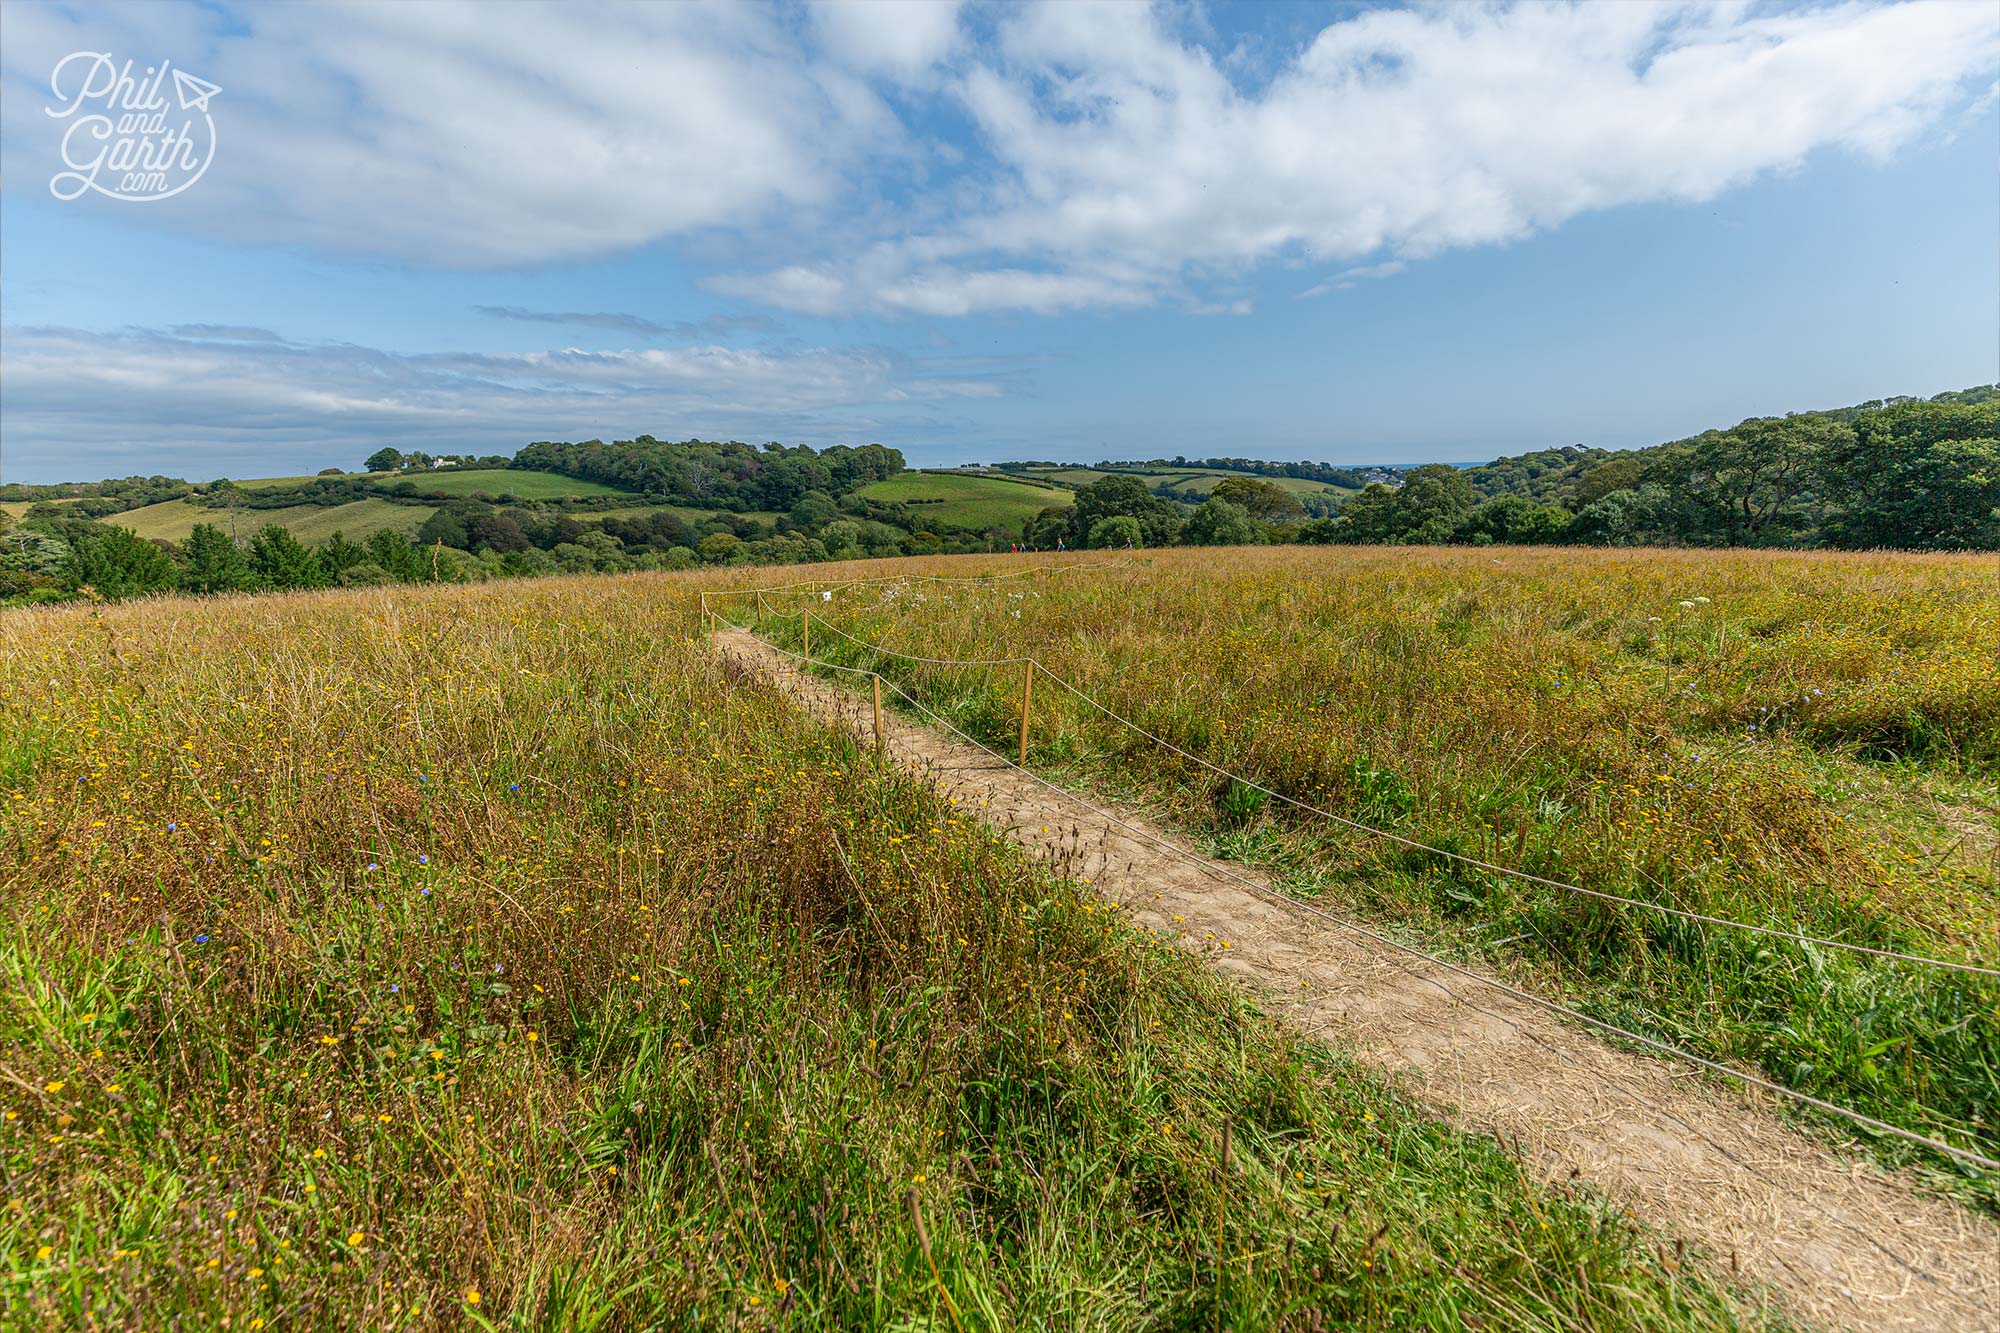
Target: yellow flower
356,1237
54,1085
534,1036
472,1296
44,1252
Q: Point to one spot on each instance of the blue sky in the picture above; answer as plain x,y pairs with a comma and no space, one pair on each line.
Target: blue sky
1346,233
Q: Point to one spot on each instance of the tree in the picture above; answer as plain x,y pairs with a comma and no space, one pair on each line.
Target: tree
1431,502
1124,496
337,555
212,562
1514,519
392,552
1923,476
1220,523
1119,532
495,532
445,526
282,561
717,547
1264,501
1754,484
114,562
1369,517
385,459
1043,530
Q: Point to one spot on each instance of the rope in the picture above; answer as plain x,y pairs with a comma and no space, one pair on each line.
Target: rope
1751,1080
1795,937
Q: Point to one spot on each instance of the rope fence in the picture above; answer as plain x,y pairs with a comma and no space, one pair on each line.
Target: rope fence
1215,870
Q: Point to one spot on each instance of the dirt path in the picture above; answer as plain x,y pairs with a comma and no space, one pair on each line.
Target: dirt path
1840,1241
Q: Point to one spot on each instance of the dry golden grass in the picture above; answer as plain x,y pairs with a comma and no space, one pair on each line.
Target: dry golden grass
1809,742
483,956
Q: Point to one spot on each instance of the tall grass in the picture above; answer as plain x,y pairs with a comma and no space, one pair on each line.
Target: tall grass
485,958
1806,742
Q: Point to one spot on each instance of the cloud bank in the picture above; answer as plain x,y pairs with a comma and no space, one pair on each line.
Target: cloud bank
923,159
247,401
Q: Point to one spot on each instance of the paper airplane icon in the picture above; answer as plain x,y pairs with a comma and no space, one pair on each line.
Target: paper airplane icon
194,93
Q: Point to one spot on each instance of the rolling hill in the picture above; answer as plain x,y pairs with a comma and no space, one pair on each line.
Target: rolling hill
968,500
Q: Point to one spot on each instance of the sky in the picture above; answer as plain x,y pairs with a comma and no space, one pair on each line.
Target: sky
1348,233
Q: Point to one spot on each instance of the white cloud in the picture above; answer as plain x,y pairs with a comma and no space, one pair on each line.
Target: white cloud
899,37
219,400
1089,155
1127,159
438,134
1346,278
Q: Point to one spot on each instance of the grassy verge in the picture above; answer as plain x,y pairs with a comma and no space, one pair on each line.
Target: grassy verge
482,957
1808,743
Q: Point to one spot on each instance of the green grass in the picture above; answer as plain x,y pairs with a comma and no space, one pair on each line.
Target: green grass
1805,742
1196,483
18,508
173,520
967,500
273,483
1189,483
505,481
489,957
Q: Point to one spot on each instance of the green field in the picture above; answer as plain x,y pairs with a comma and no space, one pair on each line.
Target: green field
18,508
506,481
966,500
273,483
1187,483
173,520
1196,483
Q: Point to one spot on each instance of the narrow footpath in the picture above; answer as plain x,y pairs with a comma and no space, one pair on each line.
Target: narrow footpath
1834,1238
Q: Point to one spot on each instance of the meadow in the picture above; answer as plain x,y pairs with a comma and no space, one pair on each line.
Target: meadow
508,481
357,520
968,501
1804,742
486,957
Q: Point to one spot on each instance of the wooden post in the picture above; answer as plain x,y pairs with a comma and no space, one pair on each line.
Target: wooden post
1027,695
876,679
806,625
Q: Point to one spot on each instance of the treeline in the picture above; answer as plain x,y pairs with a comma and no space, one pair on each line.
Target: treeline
1906,473
1351,478
56,554
707,475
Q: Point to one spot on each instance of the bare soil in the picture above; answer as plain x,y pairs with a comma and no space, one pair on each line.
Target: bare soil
1835,1239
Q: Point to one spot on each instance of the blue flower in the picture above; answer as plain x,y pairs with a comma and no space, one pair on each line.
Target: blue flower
201,939
423,860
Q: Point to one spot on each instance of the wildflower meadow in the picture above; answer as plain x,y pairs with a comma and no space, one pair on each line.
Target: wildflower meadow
488,958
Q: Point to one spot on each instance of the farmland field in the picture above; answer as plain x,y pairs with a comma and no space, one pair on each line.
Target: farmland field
1804,742
968,501
173,520
427,957
1189,483
505,481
